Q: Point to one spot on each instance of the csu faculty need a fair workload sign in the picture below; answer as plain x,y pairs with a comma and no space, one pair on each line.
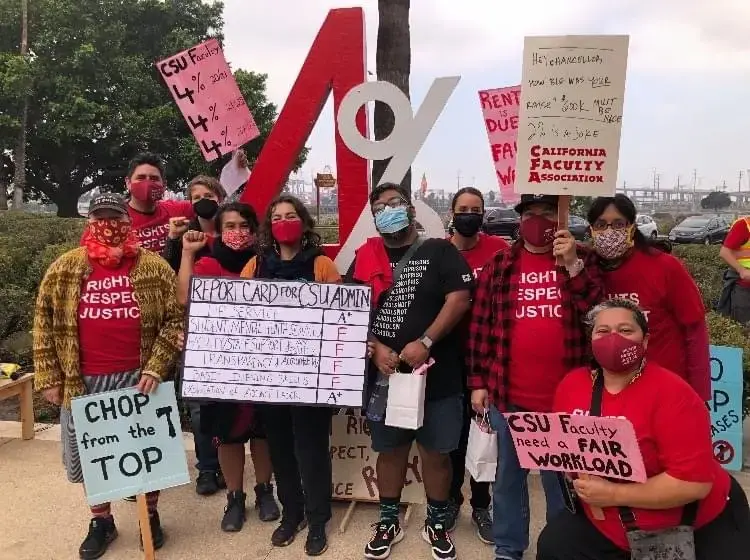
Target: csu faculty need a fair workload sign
290,342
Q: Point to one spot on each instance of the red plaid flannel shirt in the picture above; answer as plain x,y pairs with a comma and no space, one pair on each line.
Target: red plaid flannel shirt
491,325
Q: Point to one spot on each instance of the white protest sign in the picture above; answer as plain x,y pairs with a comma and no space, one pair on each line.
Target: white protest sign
401,145
570,117
129,443
233,175
286,342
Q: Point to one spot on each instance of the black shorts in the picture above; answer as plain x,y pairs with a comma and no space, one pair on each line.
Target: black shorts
440,431
232,422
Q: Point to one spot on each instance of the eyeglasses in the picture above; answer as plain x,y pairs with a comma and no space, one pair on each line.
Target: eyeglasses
601,225
394,202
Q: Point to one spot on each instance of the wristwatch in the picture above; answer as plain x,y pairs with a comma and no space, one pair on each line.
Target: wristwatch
426,341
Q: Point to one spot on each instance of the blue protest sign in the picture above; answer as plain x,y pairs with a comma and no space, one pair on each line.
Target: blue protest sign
129,443
726,406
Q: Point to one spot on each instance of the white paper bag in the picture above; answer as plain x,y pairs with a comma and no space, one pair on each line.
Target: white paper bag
481,451
233,176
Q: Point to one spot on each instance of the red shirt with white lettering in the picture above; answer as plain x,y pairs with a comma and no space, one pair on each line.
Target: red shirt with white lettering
738,235
109,321
481,253
661,286
537,341
673,429
152,229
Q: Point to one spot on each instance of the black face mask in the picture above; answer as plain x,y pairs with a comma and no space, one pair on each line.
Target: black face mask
467,224
206,208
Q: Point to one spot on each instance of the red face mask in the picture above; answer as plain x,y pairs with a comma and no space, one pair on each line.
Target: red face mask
537,231
287,232
617,354
237,239
110,232
147,191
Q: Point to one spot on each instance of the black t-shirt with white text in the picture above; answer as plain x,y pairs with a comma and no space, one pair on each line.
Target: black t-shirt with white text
405,312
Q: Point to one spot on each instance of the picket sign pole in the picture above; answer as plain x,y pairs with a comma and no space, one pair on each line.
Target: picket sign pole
563,215
144,522
407,516
347,516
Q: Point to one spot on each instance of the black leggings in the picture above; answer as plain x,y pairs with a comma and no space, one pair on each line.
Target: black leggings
573,537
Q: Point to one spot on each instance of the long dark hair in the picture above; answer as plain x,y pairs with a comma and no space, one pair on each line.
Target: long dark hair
310,239
625,206
244,210
465,190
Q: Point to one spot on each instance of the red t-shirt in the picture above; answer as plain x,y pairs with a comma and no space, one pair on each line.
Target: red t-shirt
738,235
661,286
209,266
481,253
674,434
152,229
109,321
537,339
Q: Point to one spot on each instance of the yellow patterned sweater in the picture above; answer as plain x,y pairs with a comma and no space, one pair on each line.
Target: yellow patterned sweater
56,351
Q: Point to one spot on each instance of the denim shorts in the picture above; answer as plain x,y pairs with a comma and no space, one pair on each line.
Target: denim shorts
440,432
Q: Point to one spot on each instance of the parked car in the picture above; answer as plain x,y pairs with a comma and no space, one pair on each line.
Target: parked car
504,222
701,229
647,226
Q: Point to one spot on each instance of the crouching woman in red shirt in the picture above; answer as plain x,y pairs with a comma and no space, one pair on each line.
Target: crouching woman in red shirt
674,435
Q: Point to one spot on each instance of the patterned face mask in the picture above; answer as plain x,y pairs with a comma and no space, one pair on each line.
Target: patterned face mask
613,243
110,232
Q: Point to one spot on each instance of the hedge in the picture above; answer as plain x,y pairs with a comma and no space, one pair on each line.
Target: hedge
30,242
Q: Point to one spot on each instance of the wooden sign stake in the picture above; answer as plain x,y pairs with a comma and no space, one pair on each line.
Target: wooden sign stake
407,515
145,524
563,216
347,516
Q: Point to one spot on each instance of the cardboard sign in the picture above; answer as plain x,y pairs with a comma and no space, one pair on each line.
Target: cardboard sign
129,443
500,111
276,341
353,460
725,406
206,92
571,112
593,445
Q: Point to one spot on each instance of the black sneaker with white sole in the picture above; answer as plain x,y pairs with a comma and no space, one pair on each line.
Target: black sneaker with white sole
439,540
384,536
483,522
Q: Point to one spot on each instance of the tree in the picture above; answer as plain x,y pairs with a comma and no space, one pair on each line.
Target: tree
716,201
19,178
393,64
491,197
579,205
97,98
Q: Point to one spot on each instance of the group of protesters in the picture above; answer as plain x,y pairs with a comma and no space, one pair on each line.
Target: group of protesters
544,324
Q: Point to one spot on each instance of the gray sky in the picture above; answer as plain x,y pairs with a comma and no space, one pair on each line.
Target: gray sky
686,99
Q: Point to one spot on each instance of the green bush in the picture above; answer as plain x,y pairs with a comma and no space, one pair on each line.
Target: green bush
706,268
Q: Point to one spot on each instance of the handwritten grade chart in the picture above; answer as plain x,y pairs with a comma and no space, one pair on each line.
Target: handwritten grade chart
204,88
276,342
570,117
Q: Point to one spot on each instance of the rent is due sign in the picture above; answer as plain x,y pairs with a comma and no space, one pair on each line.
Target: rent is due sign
129,443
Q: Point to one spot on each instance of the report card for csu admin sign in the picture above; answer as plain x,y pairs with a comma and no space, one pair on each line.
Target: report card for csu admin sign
291,342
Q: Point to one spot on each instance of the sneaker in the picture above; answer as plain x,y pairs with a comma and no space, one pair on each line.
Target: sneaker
286,531
220,482
234,512
483,521
438,538
102,532
385,535
207,483
454,510
317,542
157,533
265,503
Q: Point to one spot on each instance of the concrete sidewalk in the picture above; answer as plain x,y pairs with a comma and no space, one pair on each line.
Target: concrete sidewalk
45,518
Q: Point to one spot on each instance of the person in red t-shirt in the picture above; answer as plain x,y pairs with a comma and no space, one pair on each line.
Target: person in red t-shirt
736,253
673,430
478,249
149,214
659,284
232,424
526,331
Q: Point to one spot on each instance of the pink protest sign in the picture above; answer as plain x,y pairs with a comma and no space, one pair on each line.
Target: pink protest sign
605,447
500,110
204,89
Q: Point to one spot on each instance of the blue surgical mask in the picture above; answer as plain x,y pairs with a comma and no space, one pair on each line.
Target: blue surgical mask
392,220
